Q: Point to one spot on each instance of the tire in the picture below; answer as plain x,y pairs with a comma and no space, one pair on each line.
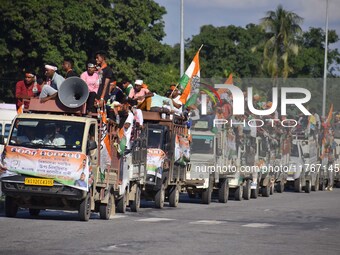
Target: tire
247,190
122,203
322,185
280,187
135,204
174,197
11,208
316,186
266,191
223,191
34,212
238,193
160,197
106,210
297,185
337,185
85,208
271,189
308,186
254,193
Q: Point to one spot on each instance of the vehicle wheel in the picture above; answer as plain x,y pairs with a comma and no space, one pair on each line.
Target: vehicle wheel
174,197
238,193
106,210
316,186
135,204
159,197
223,191
280,187
247,190
308,187
322,185
34,212
11,208
85,208
254,193
271,189
297,185
122,203
337,185
266,191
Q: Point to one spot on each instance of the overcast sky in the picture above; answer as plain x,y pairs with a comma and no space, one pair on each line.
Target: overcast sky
241,13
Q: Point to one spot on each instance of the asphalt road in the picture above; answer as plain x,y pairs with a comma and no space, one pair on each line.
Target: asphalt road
287,223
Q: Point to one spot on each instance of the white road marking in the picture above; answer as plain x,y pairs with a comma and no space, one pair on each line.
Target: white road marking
117,216
207,222
258,225
154,219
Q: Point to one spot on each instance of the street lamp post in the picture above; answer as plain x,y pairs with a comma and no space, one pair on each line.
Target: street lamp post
325,66
182,40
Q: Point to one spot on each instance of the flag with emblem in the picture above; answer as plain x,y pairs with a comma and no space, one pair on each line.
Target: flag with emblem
191,78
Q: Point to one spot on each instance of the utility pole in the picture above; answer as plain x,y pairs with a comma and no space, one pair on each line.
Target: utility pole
182,40
325,66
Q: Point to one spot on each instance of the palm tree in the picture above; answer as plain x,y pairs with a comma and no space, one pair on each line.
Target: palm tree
282,28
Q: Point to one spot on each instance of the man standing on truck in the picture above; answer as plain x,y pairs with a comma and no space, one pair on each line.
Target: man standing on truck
105,75
50,89
26,89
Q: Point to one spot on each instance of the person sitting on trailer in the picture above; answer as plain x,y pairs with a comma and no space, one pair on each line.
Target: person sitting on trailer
141,95
50,89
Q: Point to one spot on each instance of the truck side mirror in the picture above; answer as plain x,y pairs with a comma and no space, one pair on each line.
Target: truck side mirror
2,140
91,145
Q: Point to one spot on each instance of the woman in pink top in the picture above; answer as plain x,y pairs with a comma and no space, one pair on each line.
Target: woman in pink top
91,77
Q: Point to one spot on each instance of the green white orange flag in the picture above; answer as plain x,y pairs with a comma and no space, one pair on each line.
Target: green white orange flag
190,77
228,81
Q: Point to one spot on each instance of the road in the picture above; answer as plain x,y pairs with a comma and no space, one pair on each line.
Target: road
287,223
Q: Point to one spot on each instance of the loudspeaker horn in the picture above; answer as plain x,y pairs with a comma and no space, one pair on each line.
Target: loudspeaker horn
73,92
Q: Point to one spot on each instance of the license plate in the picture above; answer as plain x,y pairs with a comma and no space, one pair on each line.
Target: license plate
38,182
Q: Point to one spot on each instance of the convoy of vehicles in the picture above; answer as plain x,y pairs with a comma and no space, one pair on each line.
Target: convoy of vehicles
58,157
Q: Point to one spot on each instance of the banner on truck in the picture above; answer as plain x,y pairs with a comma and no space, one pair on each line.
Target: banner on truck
68,168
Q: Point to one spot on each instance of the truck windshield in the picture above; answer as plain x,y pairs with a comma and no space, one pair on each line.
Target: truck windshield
295,151
202,144
155,138
47,134
337,130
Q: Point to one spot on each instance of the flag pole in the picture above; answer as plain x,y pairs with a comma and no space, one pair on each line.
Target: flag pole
183,73
325,66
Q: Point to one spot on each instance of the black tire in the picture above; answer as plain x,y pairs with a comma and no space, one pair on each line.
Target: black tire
308,186
85,208
254,193
337,185
34,212
272,189
122,203
106,210
247,190
135,204
206,196
11,208
266,191
316,186
322,185
174,197
280,187
223,191
160,197
297,185
238,196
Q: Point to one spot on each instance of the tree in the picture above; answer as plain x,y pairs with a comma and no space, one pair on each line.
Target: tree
282,28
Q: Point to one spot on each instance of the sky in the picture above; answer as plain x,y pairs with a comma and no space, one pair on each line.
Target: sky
242,12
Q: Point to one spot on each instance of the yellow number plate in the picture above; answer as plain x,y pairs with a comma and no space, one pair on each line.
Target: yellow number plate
38,182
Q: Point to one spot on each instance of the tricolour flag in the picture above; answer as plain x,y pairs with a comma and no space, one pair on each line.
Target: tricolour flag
190,78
